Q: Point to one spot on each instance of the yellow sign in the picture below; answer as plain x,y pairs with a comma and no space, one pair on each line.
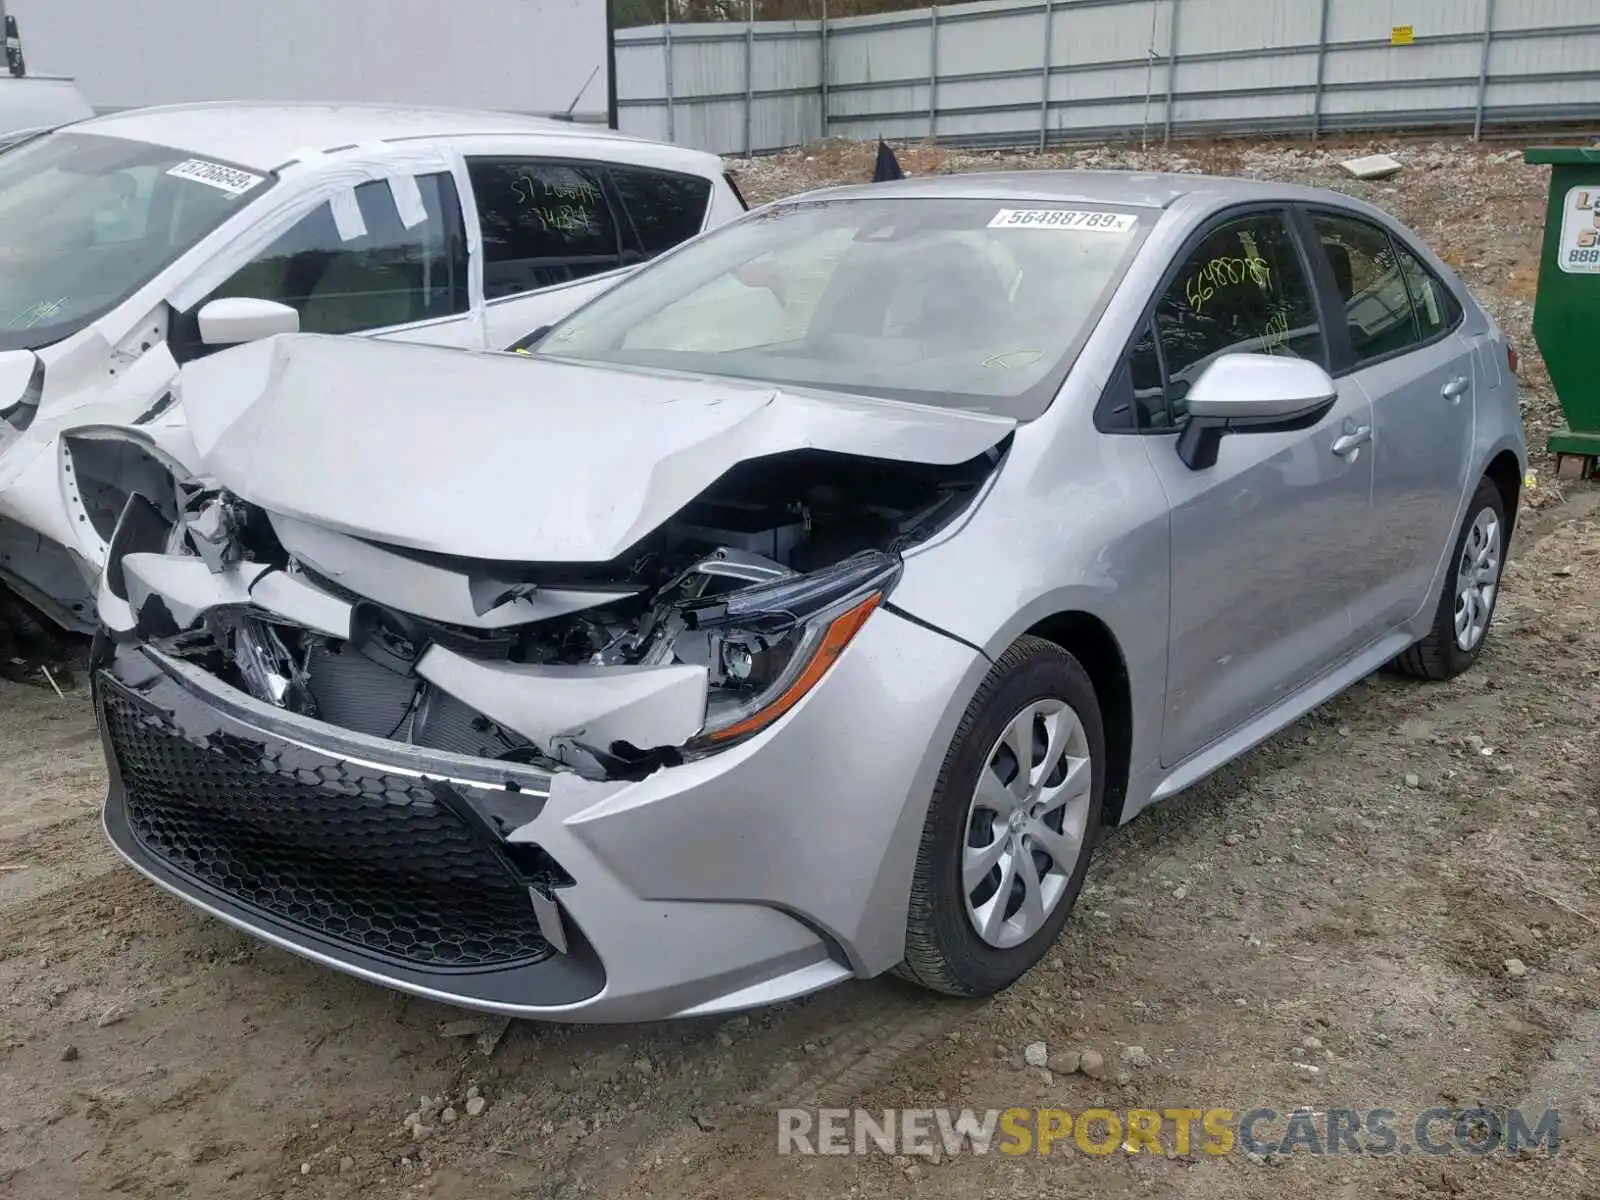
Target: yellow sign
1402,35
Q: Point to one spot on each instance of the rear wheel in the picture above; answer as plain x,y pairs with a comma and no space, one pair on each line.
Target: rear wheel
1467,599
1013,822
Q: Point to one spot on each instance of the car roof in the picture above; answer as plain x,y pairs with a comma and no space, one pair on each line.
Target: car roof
1144,189
268,136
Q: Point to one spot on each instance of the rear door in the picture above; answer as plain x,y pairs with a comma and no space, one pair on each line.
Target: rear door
556,231
1269,545
1400,340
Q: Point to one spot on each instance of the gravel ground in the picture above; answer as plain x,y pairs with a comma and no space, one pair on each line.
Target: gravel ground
1400,891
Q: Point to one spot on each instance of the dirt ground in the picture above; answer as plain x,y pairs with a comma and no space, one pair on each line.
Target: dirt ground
1346,898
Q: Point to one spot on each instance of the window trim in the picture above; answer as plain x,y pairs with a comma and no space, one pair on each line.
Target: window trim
628,243
1330,299
1285,210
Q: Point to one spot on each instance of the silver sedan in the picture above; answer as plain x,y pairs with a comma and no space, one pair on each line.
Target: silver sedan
806,606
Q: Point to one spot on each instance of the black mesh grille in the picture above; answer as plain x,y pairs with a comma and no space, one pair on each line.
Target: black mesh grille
364,858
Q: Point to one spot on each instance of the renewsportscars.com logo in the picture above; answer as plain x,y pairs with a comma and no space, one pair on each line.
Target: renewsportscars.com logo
1375,1132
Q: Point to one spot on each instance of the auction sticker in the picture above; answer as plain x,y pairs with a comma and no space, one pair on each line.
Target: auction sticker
1580,231
1063,218
225,179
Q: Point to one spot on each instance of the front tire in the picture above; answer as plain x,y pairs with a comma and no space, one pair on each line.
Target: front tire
1013,822
1467,599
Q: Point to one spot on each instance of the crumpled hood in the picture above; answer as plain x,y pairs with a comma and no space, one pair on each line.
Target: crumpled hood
501,456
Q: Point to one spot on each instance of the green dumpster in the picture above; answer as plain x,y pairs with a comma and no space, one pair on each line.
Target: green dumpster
1566,311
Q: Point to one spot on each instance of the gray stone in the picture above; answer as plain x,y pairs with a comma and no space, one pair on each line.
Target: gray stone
1373,166
1065,1064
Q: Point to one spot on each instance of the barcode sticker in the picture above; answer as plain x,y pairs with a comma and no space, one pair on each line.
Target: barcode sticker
1063,218
225,179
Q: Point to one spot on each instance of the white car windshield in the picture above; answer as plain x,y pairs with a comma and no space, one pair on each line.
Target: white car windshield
85,221
978,304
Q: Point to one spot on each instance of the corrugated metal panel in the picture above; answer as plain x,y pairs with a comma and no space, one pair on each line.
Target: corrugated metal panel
1577,52
868,55
1402,64
641,71
1552,93
1239,65
1369,20
1102,33
1213,26
912,98
1544,14
1006,43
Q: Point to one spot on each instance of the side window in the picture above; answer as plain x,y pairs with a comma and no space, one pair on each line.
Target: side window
661,209
1242,290
1437,310
389,275
1377,304
1144,372
544,223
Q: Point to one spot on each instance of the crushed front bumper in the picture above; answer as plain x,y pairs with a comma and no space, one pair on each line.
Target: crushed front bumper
768,871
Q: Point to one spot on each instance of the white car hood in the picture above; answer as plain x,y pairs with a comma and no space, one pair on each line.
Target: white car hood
502,456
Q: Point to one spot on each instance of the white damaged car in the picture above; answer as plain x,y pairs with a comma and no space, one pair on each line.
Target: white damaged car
134,243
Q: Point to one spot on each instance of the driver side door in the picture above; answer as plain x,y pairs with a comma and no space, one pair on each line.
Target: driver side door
1269,546
385,259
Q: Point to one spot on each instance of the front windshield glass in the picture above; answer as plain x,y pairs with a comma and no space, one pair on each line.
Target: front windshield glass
976,304
85,221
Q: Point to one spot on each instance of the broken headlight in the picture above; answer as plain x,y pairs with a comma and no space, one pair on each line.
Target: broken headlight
766,646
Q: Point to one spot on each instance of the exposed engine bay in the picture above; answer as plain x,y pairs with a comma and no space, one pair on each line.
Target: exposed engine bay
702,634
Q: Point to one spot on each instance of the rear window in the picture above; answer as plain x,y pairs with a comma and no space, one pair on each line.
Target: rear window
661,209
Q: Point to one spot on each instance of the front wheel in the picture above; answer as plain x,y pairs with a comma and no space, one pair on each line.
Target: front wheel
1467,600
1013,821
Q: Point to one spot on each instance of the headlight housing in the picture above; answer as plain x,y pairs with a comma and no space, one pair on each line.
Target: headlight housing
768,645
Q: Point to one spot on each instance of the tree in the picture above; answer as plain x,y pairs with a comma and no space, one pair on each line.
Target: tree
651,12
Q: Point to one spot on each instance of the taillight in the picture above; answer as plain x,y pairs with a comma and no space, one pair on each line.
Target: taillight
1511,358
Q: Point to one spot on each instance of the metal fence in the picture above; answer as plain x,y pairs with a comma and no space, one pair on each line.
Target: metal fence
1021,72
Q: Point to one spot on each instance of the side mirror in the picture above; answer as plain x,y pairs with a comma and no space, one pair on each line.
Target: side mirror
237,319
1252,393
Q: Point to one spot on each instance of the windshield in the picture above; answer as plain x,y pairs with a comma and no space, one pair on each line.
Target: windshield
975,304
85,221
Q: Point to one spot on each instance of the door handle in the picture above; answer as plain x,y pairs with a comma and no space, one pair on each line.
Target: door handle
1455,389
1351,442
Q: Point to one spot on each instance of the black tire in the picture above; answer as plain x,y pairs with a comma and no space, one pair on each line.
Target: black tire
1438,656
944,953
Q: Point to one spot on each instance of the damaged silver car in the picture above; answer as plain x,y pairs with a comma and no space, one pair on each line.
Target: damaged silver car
802,608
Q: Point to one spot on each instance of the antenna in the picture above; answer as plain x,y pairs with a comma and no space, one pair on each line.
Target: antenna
567,116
